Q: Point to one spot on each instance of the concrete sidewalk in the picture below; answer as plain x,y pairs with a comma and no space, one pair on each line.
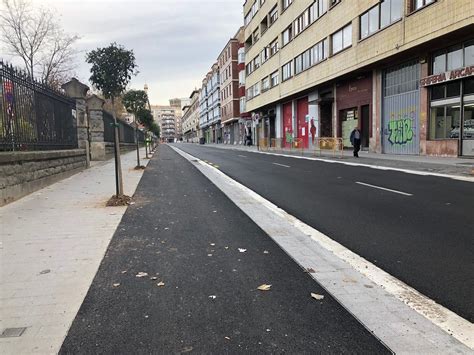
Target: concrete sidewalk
52,243
438,165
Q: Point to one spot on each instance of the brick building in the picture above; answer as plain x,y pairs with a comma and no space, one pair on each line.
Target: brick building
232,89
400,70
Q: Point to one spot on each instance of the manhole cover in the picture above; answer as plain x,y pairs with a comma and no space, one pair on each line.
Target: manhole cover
12,332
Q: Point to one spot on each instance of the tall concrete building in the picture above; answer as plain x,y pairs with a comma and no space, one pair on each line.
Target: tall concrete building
210,107
190,120
177,104
165,117
400,70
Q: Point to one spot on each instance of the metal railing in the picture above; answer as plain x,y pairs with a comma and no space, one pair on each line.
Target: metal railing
329,143
126,131
33,116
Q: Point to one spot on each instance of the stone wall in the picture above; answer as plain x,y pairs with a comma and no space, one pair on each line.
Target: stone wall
22,173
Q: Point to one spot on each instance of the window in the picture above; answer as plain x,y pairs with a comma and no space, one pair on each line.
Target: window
333,3
256,62
265,84
469,53
273,15
319,52
242,104
383,14
286,3
274,79
342,39
418,4
250,15
255,35
274,47
256,89
453,58
265,54
287,71
445,121
287,36
249,68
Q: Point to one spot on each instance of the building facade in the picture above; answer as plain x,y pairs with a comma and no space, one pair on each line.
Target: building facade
190,120
232,75
178,104
165,117
210,107
400,70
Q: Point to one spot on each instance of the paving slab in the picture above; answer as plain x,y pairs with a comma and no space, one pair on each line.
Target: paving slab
51,245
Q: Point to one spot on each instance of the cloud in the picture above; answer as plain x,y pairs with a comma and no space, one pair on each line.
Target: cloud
175,41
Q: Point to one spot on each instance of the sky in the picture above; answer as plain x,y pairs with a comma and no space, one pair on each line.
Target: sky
175,41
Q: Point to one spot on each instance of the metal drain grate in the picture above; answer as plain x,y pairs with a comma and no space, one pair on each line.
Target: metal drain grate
12,332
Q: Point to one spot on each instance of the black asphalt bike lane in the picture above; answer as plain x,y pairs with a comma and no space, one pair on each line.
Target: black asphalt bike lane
186,233
425,240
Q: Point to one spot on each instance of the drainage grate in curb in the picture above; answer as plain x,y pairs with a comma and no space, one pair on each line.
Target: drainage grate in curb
12,332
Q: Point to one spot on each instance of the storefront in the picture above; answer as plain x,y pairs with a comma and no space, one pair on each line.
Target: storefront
287,124
451,92
401,109
354,100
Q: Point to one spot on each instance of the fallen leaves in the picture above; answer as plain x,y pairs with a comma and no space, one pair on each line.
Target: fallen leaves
317,296
264,287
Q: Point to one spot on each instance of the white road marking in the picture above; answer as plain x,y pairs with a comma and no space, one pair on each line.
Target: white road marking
283,165
384,188
242,156
376,167
440,329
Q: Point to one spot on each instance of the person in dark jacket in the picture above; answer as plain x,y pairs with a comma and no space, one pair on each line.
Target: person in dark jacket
355,141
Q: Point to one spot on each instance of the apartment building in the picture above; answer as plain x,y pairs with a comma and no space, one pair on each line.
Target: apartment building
165,117
177,104
232,88
190,120
400,70
210,107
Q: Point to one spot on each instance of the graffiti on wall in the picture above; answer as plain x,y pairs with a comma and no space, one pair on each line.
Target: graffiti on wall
400,126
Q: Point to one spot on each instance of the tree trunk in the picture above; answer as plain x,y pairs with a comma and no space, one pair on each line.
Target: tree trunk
138,144
118,164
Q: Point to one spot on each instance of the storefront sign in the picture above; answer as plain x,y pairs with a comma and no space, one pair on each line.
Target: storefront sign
447,76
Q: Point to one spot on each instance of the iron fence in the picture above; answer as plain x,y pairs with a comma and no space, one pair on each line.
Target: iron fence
126,131
33,116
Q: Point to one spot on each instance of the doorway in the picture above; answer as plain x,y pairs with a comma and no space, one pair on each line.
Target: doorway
468,130
301,113
365,125
326,119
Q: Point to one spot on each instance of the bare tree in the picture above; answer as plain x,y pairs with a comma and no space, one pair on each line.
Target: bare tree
37,38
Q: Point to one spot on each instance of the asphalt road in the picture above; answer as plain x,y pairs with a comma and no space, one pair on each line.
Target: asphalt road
185,233
423,233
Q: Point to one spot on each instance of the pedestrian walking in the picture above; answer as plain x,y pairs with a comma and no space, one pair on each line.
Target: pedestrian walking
355,141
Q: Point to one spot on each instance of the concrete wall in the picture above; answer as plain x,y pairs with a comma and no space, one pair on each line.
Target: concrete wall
22,173
411,31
